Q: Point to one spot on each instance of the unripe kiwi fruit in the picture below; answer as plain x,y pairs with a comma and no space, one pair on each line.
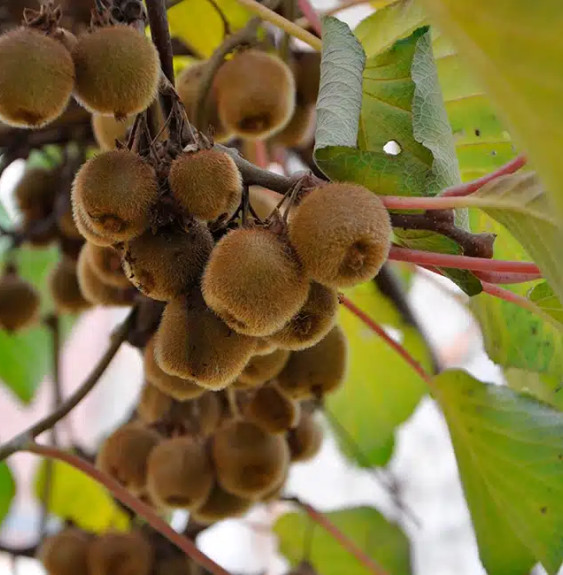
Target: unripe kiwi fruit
120,554
305,440
254,282
65,553
153,404
117,71
19,303
300,129
342,234
192,342
35,193
106,263
167,264
179,388
316,370
114,192
206,183
255,94
313,321
262,368
272,410
124,455
249,462
179,474
221,504
107,130
36,78
64,288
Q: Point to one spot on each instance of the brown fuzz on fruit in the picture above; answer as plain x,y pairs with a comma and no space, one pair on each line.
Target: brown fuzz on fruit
201,416
305,440
254,282
179,388
106,263
167,264
117,71
35,193
307,70
221,505
36,78
107,130
300,130
272,410
19,303
113,193
262,368
67,225
124,455
179,475
317,370
65,553
255,94
342,234
313,321
153,405
120,554
86,230
64,288
249,462
264,346
206,183
192,342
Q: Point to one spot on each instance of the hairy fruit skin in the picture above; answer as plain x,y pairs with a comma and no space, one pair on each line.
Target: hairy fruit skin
306,439
65,290
262,368
106,264
254,282
272,410
342,234
107,130
19,303
206,183
153,404
300,130
113,192
255,94
120,554
117,71
65,553
86,231
36,78
35,193
221,504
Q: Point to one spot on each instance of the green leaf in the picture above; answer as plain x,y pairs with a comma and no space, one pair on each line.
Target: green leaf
7,490
383,541
509,450
77,497
543,296
340,92
547,388
515,48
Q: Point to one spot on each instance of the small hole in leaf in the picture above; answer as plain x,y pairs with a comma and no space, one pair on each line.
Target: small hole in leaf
392,148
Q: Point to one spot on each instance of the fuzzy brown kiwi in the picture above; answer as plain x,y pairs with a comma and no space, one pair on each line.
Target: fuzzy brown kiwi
221,504
179,388
206,183
86,230
167,264
255,94
200,416
67,226
107,130
254,282
117,71
305,440
192,342
120,554
124,455
300,129
316,370
179,473
342,234
262,368
313,321
35,193
272,410
307,70
153,404
65,553
264,346
263,201
106,263
65,290
249,462
113,192
19,303
36,78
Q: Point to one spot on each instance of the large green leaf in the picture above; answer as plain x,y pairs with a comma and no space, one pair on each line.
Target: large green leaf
7,490
543,296
383,541
509,450
547,388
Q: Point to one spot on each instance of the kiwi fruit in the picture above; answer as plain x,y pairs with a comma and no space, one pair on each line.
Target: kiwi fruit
307,71
36,78
19,303
35,193
117,71
305,440
153,405
200,416
65,553
249,462
342,234
179,388
313,321
179,473
65,290
272,410
300,129
262,368
221,504
107,130
167,264
124,455
254,282
255,94
120,554
192,342
264,346
206,183
114,192
86,230
106,263
67,226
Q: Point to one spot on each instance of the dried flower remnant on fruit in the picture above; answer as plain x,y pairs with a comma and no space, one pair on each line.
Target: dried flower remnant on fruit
19,303
65,553
120,554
